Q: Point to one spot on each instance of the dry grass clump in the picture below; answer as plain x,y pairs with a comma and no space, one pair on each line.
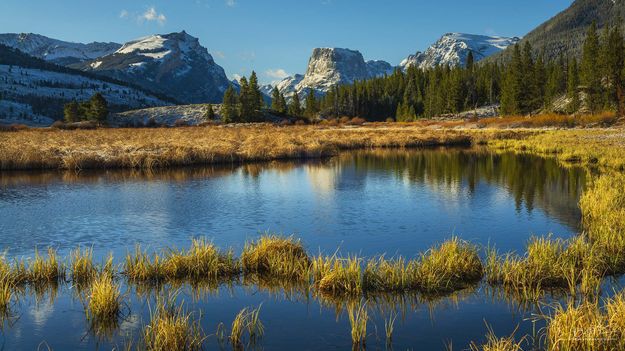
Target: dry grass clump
142,267
248,319
202,261
494,343
104,301
335,276
453,265
45,269
382,275
276,256
82,268
603,210
171,328
588,327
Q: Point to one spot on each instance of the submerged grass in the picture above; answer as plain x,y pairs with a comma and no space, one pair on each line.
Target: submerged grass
247,320
358,318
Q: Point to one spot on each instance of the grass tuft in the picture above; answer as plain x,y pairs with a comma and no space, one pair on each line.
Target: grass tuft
171,328
276,256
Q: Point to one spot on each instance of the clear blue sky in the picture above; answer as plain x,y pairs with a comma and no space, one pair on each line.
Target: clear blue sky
277,36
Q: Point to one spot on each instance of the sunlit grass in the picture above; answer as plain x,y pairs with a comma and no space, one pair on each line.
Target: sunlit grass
171,328
337,276
104,304
276,256
358,318
82,268
453,265
202,261
45,269
247,320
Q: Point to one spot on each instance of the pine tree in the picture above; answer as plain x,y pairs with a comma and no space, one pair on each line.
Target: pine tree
295,107
275,100
98,108
71,112
590,70
511,91
572,86
210,113
470,61
312,107
246,111
256,101
229,111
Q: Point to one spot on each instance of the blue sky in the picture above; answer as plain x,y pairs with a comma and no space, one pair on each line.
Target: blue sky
276,37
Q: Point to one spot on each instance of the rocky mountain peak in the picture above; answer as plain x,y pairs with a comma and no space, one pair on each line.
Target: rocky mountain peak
175,64
453,49
328,67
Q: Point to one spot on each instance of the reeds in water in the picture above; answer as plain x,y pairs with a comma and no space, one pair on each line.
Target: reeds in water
338,277
82,268
44,270
171,328
358,318
247,320
453,265
276,256
202,261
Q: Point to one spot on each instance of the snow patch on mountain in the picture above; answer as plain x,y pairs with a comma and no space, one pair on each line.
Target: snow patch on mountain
174,64
57,51
453,49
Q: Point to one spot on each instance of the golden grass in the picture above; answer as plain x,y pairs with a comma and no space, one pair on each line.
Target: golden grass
358,318
453,265
202,261
551,120
156,148
586,327
276,256
248,319
45,269
171,328
337,276
81,266
143,267
104,301
494,343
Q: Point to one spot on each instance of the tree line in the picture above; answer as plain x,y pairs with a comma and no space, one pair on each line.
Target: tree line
94,109
525,84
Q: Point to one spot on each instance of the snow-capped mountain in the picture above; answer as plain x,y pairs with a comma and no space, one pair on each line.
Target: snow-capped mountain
173,64
34,91
329,67
56,51
453,49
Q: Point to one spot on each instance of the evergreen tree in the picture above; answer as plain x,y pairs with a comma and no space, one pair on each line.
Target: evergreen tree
210,113
295,107
71,112
255,101
275,100
312,107
511,92
246,104
470,61
590,70
229,111
572,86
98,108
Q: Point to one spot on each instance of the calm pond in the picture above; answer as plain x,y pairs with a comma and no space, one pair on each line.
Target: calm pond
365,203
